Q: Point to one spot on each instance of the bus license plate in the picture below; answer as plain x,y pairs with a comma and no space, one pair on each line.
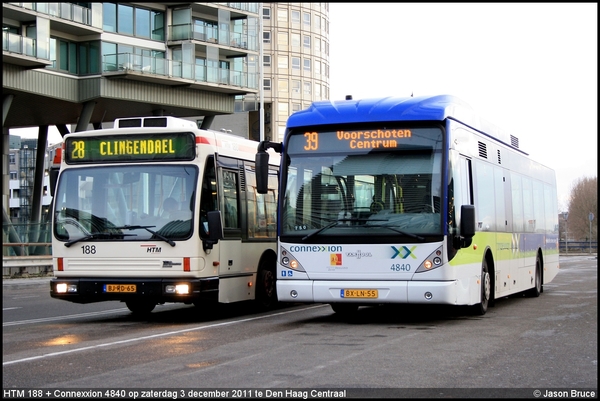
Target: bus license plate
120,288
359,293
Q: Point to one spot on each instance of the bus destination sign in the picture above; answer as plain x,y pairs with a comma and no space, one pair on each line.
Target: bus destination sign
132,147
365,140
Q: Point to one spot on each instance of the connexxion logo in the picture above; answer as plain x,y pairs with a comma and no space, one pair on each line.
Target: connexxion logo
404,252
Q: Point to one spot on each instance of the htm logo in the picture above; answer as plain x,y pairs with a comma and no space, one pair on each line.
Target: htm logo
404,252
14,394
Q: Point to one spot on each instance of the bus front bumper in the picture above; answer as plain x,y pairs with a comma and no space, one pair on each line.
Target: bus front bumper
402,292
88,290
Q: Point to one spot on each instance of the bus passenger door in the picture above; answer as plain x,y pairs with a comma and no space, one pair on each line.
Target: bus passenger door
504,237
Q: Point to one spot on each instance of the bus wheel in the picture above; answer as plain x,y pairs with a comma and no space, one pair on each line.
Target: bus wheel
486,290
537,288
140,307
266,292
344,309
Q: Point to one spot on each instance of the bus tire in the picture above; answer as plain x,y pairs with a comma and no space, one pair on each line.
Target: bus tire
485,289
138,307
537,288
266,291
344,309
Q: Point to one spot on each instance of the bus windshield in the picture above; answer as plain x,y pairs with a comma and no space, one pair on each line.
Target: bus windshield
348,183
131,203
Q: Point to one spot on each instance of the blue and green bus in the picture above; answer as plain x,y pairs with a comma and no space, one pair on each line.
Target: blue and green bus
412,200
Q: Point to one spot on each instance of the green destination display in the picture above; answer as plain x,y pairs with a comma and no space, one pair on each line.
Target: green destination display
132,147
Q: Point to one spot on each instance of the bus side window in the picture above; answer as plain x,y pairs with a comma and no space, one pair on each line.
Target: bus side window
230,194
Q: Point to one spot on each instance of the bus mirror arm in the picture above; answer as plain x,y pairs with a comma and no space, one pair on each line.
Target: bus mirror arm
467,225
262,164
215,230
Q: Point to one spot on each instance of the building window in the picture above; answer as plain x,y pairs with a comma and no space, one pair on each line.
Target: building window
142,23
307,64
295,16
282,86
129,20
267,84
307,42
266,13
109,17
13,175
295,40
317,67
75,57
11,158
125,19
283,110
295,86
296,107
282,40
307,88
267,60
282,15
282,62
295,63
306,18
266,37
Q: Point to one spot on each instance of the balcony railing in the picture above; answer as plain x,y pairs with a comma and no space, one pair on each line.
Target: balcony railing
18,44
211,35
127,62
68,11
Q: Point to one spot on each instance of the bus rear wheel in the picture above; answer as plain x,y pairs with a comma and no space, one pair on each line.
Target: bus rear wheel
138,307
266,292
486,290
537,288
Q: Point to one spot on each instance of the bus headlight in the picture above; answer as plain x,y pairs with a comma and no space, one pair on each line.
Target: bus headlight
181,289
433,261
63,288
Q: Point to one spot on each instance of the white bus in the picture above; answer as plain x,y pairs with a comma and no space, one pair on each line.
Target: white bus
408,200
156,210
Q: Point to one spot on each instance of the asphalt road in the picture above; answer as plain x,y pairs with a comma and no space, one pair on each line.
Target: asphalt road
522,345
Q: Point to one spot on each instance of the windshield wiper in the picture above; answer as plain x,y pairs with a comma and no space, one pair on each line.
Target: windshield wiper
147,228
320,230
95,236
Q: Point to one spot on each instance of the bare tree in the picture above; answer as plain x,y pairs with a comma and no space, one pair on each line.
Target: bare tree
584,200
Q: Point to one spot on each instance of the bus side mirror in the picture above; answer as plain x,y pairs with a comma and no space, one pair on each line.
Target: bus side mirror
53,176
467,224
262,171
215,230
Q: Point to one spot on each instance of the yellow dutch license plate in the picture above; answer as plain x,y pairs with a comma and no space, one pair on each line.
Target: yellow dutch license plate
120,288
359,293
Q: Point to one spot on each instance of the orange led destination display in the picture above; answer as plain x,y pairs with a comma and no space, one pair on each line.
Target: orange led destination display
355,140
120,148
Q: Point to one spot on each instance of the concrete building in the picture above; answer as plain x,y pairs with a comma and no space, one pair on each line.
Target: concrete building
79,66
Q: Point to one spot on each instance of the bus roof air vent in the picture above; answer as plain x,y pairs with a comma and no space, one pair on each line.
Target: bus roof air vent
161,122
514,141
482,150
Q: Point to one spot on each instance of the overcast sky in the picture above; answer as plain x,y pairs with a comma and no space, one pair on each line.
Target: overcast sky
531,69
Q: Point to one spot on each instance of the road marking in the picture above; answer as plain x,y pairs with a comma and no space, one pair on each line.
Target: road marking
154,336
49,319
